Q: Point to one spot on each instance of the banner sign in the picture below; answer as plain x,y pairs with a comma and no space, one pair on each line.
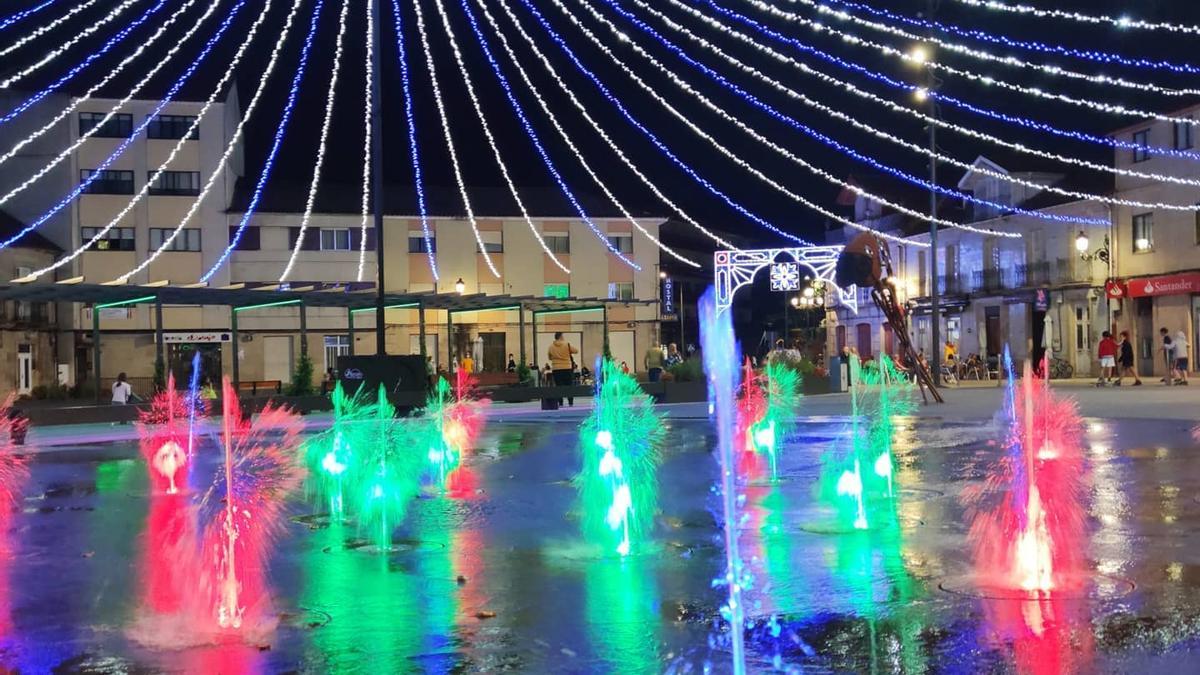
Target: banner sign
668,298
1172,284
199,337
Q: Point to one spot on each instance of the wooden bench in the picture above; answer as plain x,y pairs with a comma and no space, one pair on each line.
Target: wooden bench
264,386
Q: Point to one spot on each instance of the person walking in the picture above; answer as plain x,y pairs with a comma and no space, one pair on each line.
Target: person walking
1107,351
1125,361
1181,358
562,364
654,362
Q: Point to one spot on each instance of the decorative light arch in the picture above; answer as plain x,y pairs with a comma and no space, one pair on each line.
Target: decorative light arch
735,269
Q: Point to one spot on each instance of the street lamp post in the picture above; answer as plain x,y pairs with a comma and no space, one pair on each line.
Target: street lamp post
1104,255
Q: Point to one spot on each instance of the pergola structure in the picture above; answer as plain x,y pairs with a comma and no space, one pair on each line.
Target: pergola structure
245,297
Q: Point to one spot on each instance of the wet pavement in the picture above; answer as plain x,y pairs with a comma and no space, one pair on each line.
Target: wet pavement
500,580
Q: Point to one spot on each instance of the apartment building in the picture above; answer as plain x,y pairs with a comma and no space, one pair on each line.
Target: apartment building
145,133
1028,293
1157,251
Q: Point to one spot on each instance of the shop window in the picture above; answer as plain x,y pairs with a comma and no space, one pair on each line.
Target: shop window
1141,139
621,290
417,244
622,243
117,126
116,239
188,239
557,243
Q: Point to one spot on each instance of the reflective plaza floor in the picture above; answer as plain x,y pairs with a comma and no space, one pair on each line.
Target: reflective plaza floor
500,579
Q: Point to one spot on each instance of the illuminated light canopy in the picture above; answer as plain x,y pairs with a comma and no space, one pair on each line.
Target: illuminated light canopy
280,303
1122,22
269,164
23,14
414,150
441,108
368,107
324,137
123,303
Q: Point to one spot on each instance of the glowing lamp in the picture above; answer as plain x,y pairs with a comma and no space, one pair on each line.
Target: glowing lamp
459,286
1142,244
795,302
918,54
809,292
1081,242
920,93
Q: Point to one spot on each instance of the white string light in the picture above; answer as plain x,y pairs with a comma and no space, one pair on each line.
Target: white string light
368,107
54,53
179,145
1123,22
697,130
487,132
441,108
42,30
330,96
577,153
58,159
923,117
706,102
233,145
987,80
24,14
984,55
913,147
75,102
583,111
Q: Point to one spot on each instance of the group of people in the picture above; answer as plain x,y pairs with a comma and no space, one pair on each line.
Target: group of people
1117,359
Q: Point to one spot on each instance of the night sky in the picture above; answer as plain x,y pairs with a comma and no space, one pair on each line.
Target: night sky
343,163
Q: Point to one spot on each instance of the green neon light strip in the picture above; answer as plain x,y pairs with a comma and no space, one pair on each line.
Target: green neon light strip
372,309
268,304
146,298
486,309
569,311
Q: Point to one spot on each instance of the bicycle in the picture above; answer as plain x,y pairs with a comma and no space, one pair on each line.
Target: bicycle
1060,369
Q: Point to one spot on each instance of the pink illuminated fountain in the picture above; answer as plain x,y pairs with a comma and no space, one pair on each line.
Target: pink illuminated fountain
14,472
165,434
243,513
1029,530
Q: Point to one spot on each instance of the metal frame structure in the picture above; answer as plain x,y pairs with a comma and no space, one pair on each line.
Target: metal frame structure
734,269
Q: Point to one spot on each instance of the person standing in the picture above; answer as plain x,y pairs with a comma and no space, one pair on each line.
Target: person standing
121,391
674,358
654,362
1125,361
1168,348
562,363
1107,351
1181,358
468,364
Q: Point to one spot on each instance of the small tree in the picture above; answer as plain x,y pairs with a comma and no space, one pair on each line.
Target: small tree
302,378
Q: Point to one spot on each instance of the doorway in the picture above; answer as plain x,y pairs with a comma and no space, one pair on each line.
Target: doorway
24,369
889,340
495,359
179,363
865,348
995,340
1143,309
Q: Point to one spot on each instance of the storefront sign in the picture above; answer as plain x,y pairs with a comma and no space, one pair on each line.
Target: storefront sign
200,337
1115,289
668,298
1041,300
1174,284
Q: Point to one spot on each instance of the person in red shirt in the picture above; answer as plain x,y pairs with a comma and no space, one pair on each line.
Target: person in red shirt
1107,351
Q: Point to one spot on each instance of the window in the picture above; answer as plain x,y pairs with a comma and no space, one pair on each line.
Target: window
1143,232
557,290
188,238
621,290
117,126
1183,135
249,240
493,241
176,183
416,243
1142,140
335,346
335,240
172,127
622,243
116,239
106,182
557,243
1081,325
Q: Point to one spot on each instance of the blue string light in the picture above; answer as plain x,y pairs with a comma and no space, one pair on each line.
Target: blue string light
813,133
412,140
293,93
557,39
112,42
10,20
83,185
1029,45
520,112
944,98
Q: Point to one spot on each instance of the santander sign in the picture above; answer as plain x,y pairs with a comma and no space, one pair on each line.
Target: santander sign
1174,284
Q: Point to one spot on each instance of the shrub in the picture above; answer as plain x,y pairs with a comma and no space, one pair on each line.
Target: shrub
524,375
687,371
38,393
302,384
